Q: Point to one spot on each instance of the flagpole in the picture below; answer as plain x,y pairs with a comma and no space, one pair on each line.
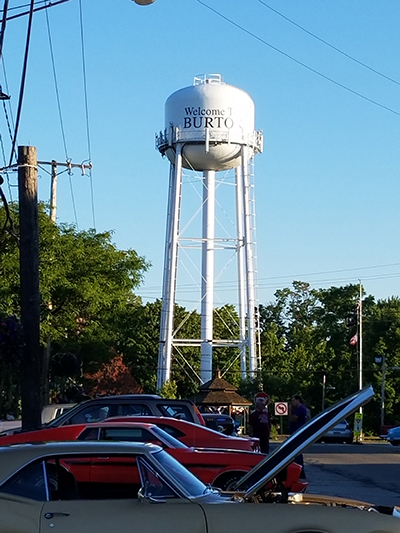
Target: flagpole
361,355
361,339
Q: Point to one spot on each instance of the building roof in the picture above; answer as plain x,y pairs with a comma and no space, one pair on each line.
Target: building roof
218,392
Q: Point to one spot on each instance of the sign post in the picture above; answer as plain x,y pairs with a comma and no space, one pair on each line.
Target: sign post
281,409
358,420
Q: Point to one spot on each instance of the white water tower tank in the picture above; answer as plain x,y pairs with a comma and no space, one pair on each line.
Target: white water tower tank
213,120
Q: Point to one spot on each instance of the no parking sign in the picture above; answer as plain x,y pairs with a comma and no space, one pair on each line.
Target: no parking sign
281,408
358,423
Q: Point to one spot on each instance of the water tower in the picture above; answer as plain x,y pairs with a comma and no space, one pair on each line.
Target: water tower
209,128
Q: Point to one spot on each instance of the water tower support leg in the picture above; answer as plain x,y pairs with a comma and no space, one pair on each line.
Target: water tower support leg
169,276
241,276
248,240
207,274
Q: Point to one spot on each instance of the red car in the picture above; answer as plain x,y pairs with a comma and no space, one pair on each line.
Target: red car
194,434
215,467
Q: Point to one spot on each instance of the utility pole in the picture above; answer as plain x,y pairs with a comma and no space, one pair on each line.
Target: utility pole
358,417
53,217
53,192
53,188
30,297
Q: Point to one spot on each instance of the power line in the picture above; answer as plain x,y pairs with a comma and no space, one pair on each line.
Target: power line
23,79
329,44
304,65
56,85
86,109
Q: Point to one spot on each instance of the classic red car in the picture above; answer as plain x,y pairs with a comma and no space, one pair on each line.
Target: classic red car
194,434
215,467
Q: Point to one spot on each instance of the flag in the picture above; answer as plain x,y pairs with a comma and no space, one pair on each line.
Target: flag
354,340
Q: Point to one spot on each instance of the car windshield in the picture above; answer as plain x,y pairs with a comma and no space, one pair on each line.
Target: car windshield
190,483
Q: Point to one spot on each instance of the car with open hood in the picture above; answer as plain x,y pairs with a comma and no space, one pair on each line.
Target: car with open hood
44,487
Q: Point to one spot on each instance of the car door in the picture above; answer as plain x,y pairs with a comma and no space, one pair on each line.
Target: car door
124,516
19,514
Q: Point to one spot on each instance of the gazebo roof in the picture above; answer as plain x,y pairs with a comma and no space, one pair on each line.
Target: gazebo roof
218,391
219,397
217,384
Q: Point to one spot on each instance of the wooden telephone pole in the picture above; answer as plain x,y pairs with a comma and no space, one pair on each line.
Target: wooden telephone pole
53,189
30,296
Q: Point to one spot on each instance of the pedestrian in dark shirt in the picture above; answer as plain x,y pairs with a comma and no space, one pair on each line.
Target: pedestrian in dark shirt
297,418
259,423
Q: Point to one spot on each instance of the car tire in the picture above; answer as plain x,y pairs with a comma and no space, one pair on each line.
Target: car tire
394,442
38,481
228,481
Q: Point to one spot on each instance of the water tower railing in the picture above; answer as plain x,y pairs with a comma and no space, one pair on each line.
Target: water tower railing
169,137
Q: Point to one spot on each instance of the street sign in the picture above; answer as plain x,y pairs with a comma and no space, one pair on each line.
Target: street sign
263,396
281,408
358,419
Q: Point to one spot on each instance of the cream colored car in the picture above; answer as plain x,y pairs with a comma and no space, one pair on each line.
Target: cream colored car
72,488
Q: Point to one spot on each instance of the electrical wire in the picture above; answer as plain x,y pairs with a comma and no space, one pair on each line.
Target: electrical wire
86,110
3,27
23,79
56,84
189,288
54,3
329,44
304,65
6,171
21,7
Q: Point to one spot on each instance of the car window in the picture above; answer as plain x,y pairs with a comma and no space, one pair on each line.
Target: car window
127,434
184,477
133,410
80,476
94,413
176,411
89,434
177,433
28,483
154,486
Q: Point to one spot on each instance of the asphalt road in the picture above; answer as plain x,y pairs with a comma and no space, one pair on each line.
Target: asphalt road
368,471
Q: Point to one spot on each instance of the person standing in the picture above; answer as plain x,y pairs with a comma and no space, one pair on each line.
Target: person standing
259,422
297,418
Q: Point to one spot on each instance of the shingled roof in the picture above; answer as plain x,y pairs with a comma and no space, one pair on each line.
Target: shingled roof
219,392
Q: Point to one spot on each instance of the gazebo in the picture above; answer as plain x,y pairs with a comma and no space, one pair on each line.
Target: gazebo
219,393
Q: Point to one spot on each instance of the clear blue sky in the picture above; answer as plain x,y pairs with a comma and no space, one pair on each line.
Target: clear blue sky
327,185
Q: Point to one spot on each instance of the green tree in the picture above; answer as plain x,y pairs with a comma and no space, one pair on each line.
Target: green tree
169,390
85,281
382,338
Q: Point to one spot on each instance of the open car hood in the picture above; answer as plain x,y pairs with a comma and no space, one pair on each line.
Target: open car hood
267,469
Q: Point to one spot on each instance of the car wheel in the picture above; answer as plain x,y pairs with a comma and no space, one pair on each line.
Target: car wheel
228,481
38,481
394,442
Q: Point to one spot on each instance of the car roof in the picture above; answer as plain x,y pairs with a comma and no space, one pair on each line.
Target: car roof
177,422
136,397
15,456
